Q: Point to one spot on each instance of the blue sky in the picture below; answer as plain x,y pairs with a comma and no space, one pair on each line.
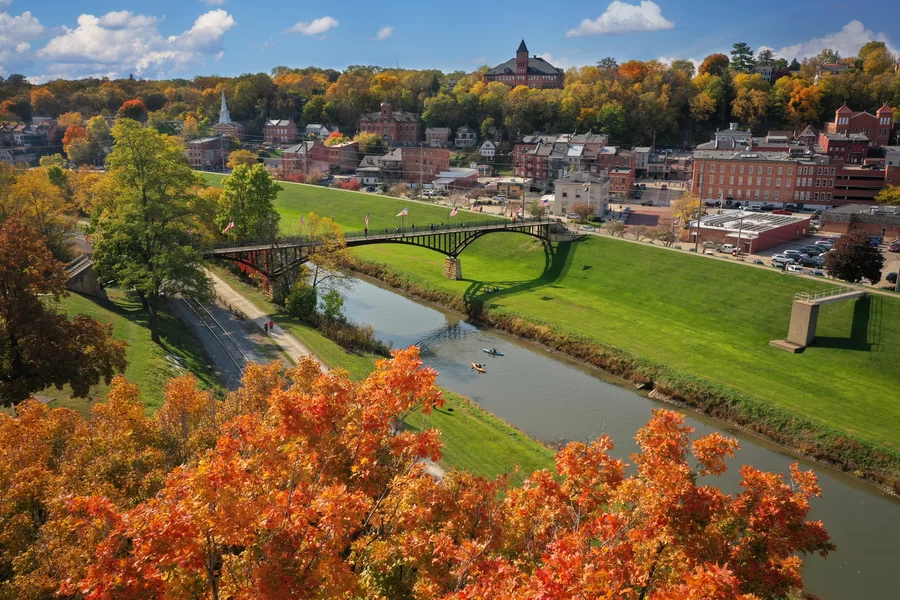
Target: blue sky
48,39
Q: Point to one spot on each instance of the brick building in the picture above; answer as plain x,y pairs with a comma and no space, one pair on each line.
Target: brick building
621,181
423,165
306,158
396,128
343,158
545,158
207,153
877,128
749,176
533,72
849,147
437,137
226,127
751,232
280,131
871,220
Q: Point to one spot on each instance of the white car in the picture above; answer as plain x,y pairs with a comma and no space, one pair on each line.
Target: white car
726,248
817,272
588,228
500,198
794,269
779,260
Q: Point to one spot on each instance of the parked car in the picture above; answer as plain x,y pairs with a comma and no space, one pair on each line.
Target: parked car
726,248
372,188
795,254
817,272
779,260
824,244
499,199
782,211
758,262
571,216
753,208
588,228
709,252
891,278
895,247
664,187
794,268
875,240
812,250
767,206
809,262
647,203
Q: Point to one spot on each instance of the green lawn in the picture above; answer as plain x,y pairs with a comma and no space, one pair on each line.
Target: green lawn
702,317
473,438
349,209
150,365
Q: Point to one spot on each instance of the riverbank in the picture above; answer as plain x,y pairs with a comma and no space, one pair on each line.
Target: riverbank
801,434
473,438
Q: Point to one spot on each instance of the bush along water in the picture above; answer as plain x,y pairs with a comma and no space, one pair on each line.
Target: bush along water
865,460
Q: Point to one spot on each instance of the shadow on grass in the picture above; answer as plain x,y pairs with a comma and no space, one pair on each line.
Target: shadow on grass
865,328
557,262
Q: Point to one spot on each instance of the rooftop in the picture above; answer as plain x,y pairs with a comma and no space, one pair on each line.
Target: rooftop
749,225
582,177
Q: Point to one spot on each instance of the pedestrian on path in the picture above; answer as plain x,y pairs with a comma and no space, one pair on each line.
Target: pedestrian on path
366,231
266,327
272,326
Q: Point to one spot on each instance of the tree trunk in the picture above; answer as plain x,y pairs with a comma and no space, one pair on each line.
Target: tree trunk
153,317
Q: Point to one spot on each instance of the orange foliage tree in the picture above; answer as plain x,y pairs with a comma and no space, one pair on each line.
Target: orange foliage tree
133,109
73,132
305,485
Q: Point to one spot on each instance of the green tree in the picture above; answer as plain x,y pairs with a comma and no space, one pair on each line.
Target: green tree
302,301
333,305
248,202
40,347
144,241
741,57
536,210
607,63
853,259
683,66
99,136
80,152
765,57
370,143
874,58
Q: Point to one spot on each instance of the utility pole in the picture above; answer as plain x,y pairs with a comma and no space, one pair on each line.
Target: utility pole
699,207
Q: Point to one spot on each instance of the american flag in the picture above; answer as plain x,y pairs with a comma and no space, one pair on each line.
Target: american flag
453,212
228,227
403,212
586,184
367,219
302,220
545,202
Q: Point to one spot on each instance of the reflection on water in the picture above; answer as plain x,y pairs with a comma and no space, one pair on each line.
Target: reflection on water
554,399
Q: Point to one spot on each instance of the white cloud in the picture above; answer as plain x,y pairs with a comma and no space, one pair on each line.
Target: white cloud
122,42
214,2
15,33
384,33
314,27
846,42
621,17
561,62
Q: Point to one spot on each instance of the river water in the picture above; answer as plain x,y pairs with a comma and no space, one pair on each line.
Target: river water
555,399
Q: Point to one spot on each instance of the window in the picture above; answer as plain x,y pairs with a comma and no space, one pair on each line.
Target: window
712,178
731,192
816,196
779,170
751,170
731,180
768,180
790,172
832,170
742,168
765,195
819,171
756,194
796,195
740,180
778,182
759,180
818,183
721,179
732,168
776,196
769,172
740,194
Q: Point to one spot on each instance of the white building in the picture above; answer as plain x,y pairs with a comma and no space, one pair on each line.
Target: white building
733,134
581,187
488,149
641,159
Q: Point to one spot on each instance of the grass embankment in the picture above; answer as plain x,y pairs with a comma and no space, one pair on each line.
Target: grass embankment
150,365
349,209
699,329
473,438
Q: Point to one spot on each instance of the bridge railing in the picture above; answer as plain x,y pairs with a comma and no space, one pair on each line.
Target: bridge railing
407,229
827,293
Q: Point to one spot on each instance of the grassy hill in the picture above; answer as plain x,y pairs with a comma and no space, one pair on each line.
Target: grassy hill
349,209
702,317
149,365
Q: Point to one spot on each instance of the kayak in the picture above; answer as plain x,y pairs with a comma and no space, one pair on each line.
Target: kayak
479,369
492,352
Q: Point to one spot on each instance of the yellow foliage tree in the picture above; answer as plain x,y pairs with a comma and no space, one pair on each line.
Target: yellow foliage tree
242,157
685,208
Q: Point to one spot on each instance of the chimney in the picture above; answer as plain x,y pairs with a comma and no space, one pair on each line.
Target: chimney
733,126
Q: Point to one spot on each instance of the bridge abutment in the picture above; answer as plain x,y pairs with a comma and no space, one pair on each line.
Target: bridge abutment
452,268
805,316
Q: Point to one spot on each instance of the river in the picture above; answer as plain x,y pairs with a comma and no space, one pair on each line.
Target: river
555,399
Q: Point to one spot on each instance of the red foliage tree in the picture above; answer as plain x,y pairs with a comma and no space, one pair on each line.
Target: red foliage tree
74,132
133,109
313,490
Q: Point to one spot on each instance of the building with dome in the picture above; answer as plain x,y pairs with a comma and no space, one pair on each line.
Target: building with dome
533,72
226,127
395,127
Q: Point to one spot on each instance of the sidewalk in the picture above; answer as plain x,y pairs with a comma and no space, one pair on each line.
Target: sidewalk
287,342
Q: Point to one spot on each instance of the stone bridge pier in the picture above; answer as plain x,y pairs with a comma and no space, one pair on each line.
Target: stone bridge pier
805,316
452,268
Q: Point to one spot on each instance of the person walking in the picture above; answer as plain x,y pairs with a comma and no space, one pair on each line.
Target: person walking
272,326
266,327
366,232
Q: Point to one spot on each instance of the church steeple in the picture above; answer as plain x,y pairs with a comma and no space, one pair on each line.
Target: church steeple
522,48
224,117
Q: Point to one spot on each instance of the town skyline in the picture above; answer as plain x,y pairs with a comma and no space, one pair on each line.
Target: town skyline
115,39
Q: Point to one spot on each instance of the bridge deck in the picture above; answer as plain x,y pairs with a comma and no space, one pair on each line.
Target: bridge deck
404,235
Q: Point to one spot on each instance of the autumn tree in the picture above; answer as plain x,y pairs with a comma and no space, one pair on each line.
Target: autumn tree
714,64
99,136
44,102
134,110
248,202
685,208
247,158
73,132
616,228
144,241
854,259
583,210
335,138
40,347
70,118
301,484
370,143
41,204
889,195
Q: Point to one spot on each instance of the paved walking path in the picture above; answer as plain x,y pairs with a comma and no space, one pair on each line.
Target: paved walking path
287,342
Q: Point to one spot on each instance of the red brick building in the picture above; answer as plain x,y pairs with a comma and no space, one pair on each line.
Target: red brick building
423,164
848,147
280,131
306,158
207,153
871,220
396,128
344,158
533,72
876,127
751,232
621,181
